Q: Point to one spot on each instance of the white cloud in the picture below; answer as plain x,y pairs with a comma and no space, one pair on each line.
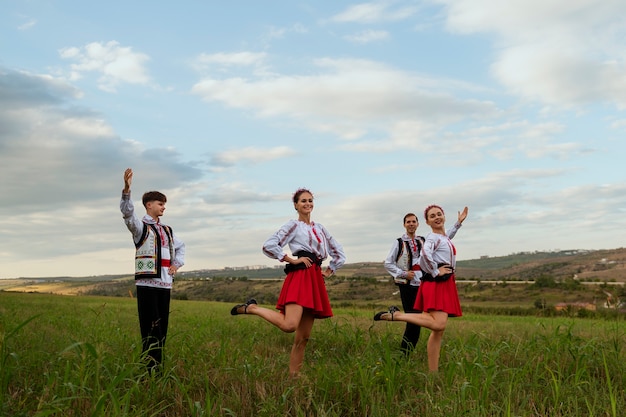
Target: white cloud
619,124
373,12
251,155
559,52
232,59
116,64
280,32
230,62
553,75
61,154
349,97
28,25
368,36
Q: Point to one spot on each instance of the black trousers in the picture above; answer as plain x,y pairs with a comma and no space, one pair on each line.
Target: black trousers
153,306
408,294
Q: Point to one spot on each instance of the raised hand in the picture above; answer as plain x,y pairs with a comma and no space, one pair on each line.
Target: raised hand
128,179
462,215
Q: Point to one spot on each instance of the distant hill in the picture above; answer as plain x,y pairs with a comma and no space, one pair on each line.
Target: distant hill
592,266
505,283
584,265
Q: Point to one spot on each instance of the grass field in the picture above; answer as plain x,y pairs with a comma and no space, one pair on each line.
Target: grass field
79,356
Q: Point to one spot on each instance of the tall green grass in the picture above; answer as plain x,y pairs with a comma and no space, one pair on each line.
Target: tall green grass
80,356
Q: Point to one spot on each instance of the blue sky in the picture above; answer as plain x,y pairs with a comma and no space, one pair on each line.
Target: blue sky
515,109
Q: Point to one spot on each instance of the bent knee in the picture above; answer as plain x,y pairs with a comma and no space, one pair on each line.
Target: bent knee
289,328
440,328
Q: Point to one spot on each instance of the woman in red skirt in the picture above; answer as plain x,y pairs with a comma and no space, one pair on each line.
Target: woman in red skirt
437,297
303,297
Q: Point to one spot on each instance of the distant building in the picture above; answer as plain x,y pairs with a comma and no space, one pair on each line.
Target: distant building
245,268
575,306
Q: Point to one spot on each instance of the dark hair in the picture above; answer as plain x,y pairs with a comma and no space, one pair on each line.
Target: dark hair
153,196
406,216
430,207
299,192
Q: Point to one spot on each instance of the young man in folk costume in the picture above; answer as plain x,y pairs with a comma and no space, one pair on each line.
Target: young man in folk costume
159,254
402,263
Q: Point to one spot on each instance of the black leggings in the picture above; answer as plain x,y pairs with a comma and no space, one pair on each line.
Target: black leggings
153,305
408,294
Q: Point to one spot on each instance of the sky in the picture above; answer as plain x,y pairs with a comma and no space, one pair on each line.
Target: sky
514,109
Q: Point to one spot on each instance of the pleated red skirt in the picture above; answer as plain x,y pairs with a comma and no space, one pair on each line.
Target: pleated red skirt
439,296
306,287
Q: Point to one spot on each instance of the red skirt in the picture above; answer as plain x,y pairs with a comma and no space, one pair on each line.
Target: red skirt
439,296
306,287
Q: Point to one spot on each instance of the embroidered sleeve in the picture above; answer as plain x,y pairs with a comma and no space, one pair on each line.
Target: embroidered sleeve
390,262
427,261
452,231
335,250
273,246
132,222
179,251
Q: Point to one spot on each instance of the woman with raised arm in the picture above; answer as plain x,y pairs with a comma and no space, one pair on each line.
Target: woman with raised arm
303,297
437,297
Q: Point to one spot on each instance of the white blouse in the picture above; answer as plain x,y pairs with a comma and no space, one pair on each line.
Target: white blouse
437,249
312,238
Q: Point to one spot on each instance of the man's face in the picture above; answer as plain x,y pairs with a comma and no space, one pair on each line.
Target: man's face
410,224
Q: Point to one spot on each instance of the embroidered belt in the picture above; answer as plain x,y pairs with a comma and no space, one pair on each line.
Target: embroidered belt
165,263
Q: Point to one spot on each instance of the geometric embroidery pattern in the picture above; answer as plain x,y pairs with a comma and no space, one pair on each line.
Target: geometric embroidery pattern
146,255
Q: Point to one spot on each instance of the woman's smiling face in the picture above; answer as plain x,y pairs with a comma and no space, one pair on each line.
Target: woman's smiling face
435,217
304,205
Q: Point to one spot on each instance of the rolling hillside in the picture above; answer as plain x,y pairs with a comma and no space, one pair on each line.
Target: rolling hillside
368,282
584,265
